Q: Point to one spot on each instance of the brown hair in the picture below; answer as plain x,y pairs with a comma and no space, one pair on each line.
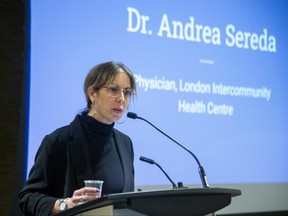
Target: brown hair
103,73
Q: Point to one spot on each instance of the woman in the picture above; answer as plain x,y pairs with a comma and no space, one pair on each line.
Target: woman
89,148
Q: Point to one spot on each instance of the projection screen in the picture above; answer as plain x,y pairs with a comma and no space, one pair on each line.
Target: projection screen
211,74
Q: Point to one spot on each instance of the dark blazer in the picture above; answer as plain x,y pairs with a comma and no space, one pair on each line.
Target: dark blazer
62,163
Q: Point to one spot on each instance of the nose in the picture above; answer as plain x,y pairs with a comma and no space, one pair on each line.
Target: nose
121,96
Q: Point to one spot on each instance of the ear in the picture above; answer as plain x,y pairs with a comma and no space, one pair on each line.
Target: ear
91,94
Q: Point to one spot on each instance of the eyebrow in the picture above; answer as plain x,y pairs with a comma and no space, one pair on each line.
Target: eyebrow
119,86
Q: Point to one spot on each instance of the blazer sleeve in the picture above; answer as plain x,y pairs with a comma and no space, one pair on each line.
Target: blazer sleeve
45,182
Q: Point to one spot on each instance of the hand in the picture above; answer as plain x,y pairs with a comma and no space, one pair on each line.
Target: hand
83,195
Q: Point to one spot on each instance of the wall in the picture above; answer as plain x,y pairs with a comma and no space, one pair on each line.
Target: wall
12,84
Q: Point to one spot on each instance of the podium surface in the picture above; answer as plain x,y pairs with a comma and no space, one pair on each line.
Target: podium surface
178,201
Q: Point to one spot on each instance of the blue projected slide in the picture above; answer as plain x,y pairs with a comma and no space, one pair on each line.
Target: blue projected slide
211,75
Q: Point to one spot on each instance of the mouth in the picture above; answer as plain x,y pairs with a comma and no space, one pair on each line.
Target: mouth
118,110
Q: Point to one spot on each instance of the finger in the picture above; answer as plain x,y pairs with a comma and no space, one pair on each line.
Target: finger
78,192
82,199
86,190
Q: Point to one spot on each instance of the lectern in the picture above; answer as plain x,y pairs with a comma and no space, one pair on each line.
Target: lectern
178,201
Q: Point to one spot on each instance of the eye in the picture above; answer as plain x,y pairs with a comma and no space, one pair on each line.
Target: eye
127,92
113,89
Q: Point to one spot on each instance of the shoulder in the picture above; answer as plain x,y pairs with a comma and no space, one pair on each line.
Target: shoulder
57,140
53,142
66,132
59,134
123,140
121,135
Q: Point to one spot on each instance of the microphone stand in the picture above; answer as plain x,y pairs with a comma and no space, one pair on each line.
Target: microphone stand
148,160
200,168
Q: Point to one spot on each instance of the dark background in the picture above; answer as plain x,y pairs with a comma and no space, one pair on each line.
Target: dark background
13,34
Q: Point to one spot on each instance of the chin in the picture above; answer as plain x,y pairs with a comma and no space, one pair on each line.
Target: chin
117,118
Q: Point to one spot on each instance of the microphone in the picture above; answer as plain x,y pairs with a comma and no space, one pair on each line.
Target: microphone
148,160
200,169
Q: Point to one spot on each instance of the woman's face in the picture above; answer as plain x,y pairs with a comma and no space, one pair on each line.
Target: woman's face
108,107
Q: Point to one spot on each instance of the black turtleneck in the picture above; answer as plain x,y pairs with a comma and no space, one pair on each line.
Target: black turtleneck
106,163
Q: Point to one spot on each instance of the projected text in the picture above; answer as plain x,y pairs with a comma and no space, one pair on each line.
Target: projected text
191,31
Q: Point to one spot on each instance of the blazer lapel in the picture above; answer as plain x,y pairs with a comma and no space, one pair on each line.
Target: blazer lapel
80,154
123,149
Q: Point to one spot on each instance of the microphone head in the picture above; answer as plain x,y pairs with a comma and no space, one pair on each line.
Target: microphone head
132,115
147,160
